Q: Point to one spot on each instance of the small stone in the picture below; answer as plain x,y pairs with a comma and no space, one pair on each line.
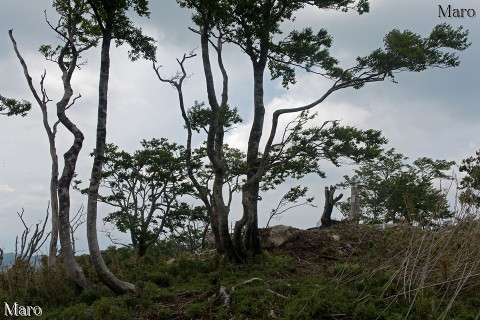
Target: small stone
335,237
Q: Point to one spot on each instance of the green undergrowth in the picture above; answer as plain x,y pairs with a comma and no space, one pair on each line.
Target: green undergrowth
345,272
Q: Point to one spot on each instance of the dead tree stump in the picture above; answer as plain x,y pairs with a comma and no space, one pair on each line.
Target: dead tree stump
330,202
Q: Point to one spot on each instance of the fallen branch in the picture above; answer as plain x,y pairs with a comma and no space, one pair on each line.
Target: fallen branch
227,299
248,282
277,294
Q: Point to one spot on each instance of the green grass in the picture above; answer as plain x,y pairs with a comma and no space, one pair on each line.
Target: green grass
369,273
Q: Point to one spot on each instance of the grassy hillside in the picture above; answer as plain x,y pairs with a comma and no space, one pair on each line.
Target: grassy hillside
343,272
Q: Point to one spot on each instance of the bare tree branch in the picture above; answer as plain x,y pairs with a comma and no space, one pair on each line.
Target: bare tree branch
30,244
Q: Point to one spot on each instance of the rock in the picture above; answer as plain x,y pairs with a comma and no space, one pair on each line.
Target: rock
335,237
281,234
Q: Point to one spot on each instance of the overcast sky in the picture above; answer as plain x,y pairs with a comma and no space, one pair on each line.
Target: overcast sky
429,114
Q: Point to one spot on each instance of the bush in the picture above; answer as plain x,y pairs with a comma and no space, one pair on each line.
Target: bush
89,296
76,312
110,308
43,287
161,279
150,291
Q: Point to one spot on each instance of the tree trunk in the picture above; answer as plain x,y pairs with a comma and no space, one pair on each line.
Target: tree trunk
329,204
74,270
203,242
221,212
252,240
140,248
248,240
250,190
70,160
202,190
51,134
215,229
52,250
103,272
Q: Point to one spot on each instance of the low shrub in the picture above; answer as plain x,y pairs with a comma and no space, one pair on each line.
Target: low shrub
110,308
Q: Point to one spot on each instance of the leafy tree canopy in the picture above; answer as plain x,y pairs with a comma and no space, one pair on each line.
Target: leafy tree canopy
11,107
392,190
255,26
144,187
470,183
302,149
199,117
76,28
114,17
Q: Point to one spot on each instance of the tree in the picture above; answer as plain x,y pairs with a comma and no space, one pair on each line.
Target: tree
255,26
301,151
51,134
391,190
144,187
470,183
113,24
189,228
297,154
197,118
74,29
54,173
